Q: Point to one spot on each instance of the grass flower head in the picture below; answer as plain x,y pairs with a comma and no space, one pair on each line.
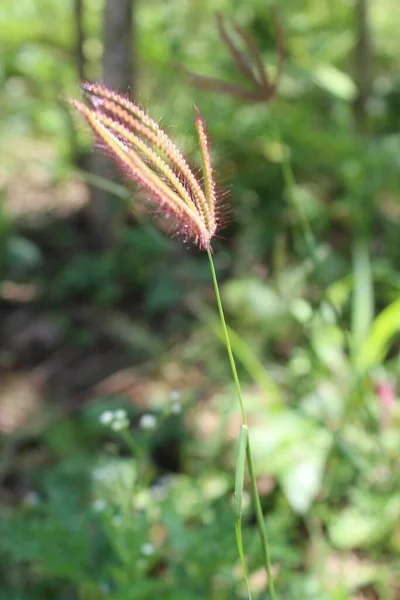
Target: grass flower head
148,156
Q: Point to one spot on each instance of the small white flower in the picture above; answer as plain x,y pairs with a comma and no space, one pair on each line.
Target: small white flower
120,424
147,421
99,505
176,408
117,419
147,549
120,414
175,396
106,417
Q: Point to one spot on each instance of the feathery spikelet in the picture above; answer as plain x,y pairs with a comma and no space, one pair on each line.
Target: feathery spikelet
147,155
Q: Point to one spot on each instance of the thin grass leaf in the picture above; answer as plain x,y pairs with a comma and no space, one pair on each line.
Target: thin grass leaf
239,484
380,336
240,468
363,296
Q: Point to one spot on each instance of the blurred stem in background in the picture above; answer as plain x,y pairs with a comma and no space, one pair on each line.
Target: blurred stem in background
363,293
80,40
362,65
118,61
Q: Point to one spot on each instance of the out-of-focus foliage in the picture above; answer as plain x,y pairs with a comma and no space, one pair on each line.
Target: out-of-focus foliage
309,263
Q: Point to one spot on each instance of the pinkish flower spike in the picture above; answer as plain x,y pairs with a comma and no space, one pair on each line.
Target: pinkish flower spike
148,156
207,168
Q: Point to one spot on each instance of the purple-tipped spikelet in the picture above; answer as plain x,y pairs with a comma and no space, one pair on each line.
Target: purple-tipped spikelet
147,155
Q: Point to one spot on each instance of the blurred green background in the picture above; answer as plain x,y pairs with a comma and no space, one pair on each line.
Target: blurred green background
100,310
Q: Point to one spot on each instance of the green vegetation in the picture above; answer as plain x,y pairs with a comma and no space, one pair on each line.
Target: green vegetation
118,417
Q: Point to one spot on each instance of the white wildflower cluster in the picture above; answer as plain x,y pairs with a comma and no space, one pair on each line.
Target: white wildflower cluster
147,421
117,420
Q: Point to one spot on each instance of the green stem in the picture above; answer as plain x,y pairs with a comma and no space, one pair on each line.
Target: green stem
239,542
260,522
289,185
256,498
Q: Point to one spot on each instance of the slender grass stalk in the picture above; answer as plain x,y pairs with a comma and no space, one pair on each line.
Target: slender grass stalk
250,465
363,298
289,185
239,484
148,156
239,543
